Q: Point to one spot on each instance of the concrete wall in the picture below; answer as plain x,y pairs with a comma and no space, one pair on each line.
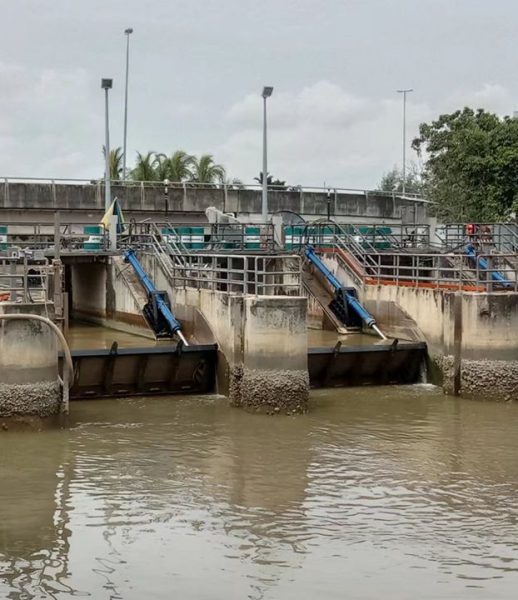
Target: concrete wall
263,347
89,290
489,348
100,294
30,201
28,365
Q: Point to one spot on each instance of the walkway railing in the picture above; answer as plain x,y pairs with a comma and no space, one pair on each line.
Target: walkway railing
246,274
23,281
185,238
183,185
500,236
439,271
70,237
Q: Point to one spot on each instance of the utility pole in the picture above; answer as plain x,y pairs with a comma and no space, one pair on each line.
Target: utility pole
106,84
127,32
267,92
404,92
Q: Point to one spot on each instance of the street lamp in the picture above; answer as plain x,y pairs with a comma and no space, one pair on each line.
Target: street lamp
267,92
106,84
127,32
404,92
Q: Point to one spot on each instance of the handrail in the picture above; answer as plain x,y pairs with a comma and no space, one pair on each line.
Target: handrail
60,336
196,184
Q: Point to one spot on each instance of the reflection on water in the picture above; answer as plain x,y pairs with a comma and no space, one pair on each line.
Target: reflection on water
86,336
402,490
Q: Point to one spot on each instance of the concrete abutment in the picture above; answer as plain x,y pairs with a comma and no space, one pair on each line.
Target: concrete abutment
262,344
28,365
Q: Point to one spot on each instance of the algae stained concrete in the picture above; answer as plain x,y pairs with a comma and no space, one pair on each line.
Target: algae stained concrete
262,344
28,365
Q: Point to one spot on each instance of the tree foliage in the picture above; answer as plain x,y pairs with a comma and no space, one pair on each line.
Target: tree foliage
392,181
471,169
116,157
178,167
146,167
205,170
271,182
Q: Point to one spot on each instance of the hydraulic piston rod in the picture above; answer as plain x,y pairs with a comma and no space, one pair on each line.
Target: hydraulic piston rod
341,292
149,286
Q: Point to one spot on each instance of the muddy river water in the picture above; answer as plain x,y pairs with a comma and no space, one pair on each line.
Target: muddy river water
376,493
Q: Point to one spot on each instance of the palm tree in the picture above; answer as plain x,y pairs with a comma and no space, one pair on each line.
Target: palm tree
145,167
116,157
205,170
180,164
162,167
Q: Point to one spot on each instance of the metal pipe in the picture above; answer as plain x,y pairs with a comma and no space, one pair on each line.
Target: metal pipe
267,92
264,203
127,32
405,92
106,85
55,329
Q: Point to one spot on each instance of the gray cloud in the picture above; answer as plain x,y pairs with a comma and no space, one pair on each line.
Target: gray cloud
198,68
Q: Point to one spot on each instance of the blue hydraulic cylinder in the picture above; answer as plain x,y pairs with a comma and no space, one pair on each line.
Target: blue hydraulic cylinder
366,317
495,275
130,257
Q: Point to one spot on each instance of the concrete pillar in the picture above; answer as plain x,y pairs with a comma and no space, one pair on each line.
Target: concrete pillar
273,374
28,366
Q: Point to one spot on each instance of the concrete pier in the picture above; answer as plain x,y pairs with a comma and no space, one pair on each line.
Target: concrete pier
28,365
263,347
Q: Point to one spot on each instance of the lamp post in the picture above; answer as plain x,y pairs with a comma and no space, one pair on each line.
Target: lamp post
267,92
127,32
106,84
404,92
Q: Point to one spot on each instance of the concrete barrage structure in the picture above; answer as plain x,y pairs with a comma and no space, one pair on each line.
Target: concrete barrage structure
80,201
29,383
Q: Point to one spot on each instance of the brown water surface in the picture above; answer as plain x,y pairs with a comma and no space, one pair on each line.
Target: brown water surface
86,336
387,493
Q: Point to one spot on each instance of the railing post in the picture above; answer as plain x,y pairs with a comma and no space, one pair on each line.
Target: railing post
457,342
6,192
25,282
57,235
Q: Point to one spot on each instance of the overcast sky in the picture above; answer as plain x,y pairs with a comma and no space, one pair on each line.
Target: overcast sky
198,66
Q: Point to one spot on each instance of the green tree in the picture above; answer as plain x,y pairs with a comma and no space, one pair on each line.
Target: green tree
116,156
145,167
180,166
392,181
471,171
277,184
205,170
162,167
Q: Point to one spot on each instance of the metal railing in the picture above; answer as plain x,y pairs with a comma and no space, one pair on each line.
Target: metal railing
24,281
243,274
185,238
500,236
443,271
71,237
333,190
370,236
